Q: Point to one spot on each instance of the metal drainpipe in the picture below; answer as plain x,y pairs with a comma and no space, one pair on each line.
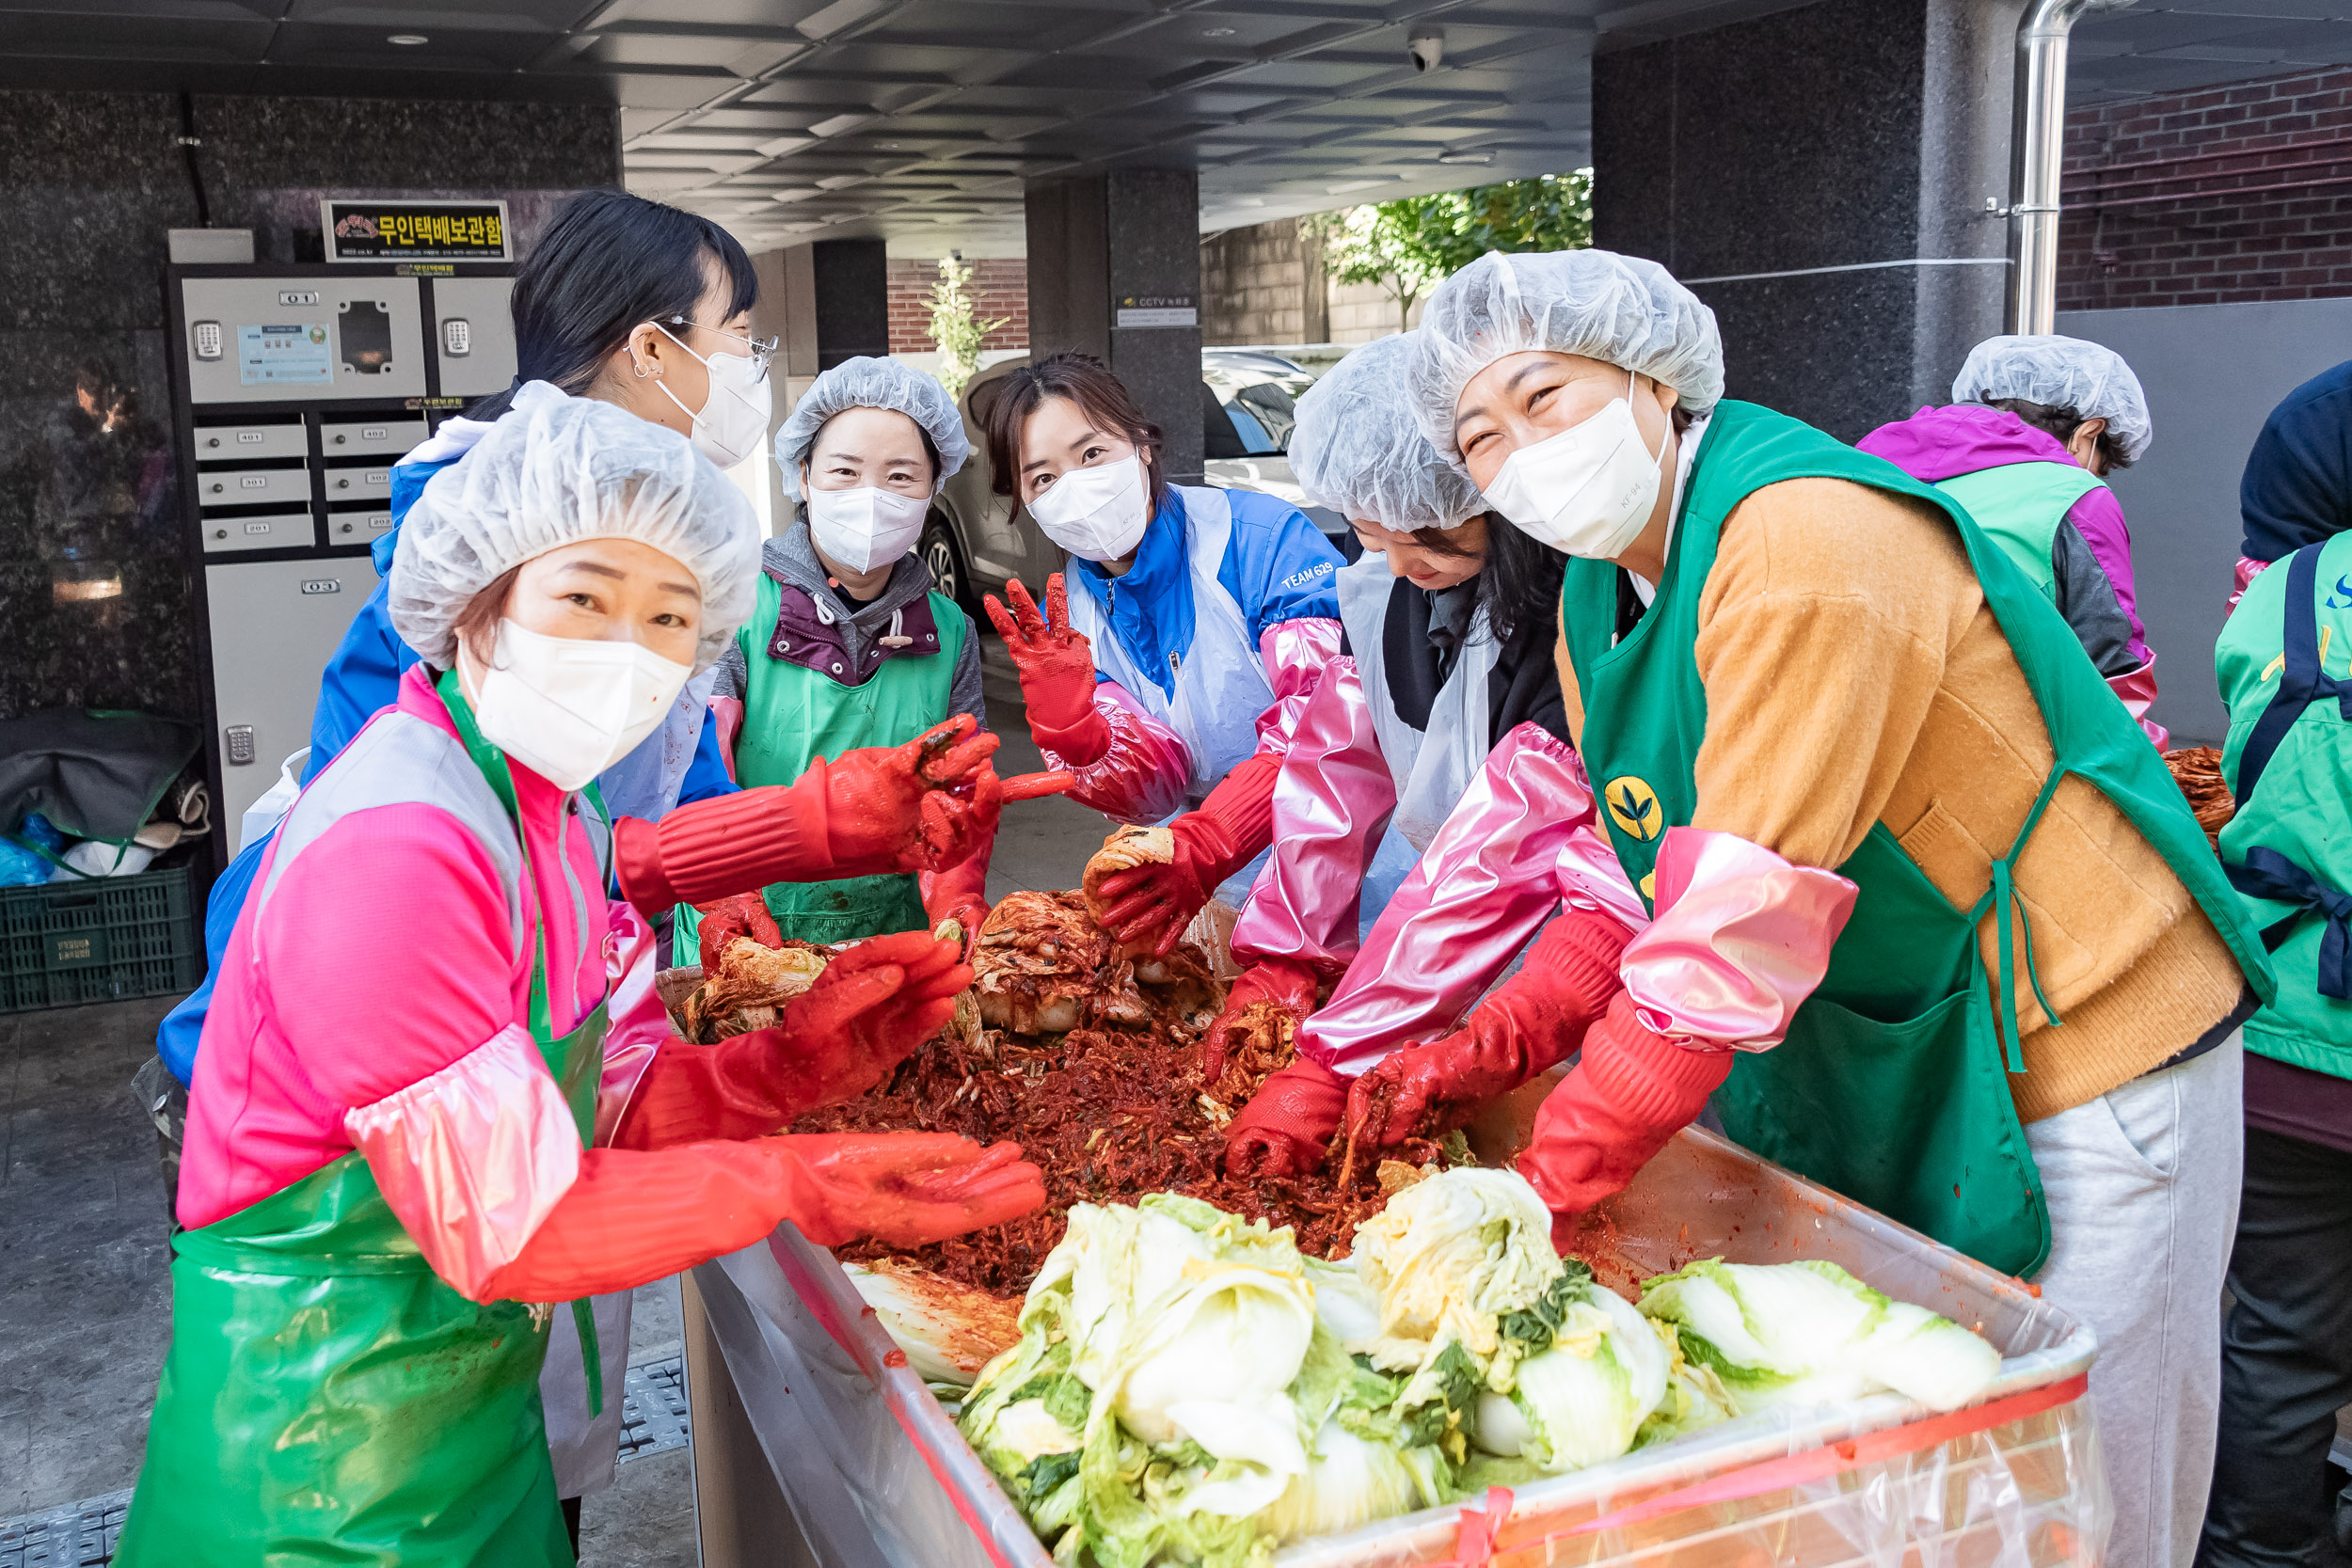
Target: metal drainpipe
2038,141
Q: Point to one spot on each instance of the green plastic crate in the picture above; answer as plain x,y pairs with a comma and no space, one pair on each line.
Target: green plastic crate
105,941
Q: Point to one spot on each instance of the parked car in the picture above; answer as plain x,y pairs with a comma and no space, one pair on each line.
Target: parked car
975,539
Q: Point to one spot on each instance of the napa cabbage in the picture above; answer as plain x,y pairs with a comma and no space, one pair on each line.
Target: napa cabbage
1810,1333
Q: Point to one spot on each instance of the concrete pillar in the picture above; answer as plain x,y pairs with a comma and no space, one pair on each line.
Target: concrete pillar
1314,288
827,301
1115,271
1818,176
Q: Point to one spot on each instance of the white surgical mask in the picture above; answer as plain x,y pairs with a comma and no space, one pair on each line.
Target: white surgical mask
866,527
1095,514
1586,491
733,421
566,708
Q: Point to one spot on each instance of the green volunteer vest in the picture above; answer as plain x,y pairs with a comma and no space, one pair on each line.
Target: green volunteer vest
1891,1086
328,1398
2020,506
2289,763
791,716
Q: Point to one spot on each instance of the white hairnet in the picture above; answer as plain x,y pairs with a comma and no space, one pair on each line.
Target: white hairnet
1357,449
554,473
2060,372
869,382
1595,303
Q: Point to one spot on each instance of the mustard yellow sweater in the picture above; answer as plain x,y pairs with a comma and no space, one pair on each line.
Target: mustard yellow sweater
1854,675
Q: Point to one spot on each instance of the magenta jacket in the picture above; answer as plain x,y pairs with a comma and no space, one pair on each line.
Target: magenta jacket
1941,443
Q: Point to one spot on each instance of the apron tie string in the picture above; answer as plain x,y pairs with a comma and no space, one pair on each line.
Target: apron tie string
2268,873
2001,899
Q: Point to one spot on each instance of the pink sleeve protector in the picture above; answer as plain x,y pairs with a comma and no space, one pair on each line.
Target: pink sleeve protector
1521,839
2247,570
1741,939
1144,775
727,713
474,1158
1295,654
638,1024
1331,804
2138,690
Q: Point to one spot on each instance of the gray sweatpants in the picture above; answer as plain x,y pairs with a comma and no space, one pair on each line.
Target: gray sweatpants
2142,1184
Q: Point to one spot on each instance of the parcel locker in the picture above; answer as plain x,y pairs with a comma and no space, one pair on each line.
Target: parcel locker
273,623
300,387
276,531
253,488
473,335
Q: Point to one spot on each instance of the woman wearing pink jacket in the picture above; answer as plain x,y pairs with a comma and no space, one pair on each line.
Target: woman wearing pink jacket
420,1125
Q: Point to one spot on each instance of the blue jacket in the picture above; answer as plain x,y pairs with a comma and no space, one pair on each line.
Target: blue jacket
2298,488
362,675
1278,566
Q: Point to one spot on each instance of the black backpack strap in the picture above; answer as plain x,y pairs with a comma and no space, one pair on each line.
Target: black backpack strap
2300,684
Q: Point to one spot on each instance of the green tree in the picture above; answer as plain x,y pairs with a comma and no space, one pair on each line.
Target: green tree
1407,246
955,330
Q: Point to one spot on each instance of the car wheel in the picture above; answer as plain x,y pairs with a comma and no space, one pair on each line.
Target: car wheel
949,574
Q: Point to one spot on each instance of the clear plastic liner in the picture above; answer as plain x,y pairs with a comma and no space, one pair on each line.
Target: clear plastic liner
878,1475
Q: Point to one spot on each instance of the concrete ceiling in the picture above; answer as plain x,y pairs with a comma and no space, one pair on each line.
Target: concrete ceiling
920,119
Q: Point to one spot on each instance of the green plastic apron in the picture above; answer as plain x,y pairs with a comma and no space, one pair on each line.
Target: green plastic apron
328,1400
1891,1086
791,716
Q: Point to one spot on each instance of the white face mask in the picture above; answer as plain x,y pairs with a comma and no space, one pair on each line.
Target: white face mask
862,528
733,421
1586,491
1095,514
569,709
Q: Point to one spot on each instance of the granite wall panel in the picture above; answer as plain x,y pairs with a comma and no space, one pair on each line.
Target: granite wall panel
95,593
1839,134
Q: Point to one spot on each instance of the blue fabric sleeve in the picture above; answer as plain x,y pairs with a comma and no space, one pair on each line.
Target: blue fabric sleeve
363,673
175,1041
2297,486
1278,564
707,775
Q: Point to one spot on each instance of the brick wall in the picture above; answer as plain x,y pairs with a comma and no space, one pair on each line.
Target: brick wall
2224,194
999,287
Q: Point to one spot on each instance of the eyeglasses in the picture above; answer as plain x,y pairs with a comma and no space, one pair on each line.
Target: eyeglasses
763,349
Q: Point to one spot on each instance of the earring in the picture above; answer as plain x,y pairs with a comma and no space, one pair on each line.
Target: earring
641,372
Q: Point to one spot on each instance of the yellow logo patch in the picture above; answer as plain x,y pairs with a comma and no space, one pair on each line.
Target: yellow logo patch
1650,887
1633,806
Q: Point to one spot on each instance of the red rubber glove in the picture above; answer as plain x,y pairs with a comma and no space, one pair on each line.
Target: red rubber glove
880,809
724,919
1633,1092
1285,982
634,1217
1056,669
1150,906
1287,1125
866,1014
1535,1019
960,892
912,1189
